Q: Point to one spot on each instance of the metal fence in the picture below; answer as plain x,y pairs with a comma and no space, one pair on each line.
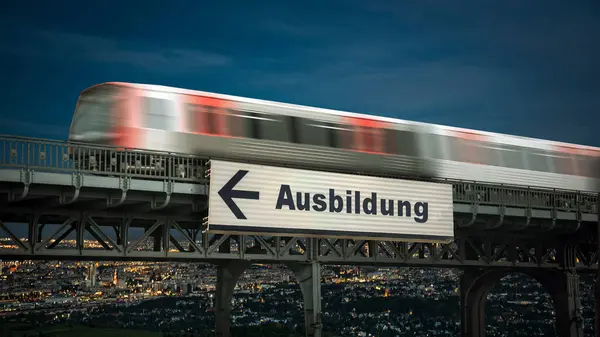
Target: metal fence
486,194
57,156
60,156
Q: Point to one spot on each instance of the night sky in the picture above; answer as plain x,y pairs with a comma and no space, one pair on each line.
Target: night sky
530,68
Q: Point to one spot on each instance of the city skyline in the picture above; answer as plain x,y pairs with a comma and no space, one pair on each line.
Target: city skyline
171,296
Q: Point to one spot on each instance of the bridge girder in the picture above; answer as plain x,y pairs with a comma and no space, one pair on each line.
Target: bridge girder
95,236
102,196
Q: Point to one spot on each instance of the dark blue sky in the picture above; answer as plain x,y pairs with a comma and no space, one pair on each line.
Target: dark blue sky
530,68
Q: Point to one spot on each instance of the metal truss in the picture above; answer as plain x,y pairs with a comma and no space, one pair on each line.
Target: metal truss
100,237
73,201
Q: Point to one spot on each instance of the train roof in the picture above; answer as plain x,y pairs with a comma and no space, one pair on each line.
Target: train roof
505,138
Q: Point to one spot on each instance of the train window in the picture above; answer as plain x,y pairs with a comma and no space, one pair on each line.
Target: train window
493,154
215,121
390,145
342,136
453,149
462,150
594,166
255,126
335,135
212,120
272,127
584,166
195,117
92,117
368,139
159,114
513,158
471,151
240,124
402,142
563,163
433,146
292,125
537,161
313,132
94,111
364,135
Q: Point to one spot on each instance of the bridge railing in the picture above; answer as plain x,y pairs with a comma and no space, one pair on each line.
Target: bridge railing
486,194
68,157
60,156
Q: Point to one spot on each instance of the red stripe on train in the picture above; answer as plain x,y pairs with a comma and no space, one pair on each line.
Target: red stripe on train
577,151
215,109
127,117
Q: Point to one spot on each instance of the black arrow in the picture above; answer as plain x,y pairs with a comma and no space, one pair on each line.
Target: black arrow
227,193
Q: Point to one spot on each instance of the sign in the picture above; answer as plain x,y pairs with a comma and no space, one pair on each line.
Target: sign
256,199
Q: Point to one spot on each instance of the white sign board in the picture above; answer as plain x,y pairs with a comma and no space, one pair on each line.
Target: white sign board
256,199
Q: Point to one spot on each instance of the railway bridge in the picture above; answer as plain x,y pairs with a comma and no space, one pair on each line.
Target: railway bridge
138,205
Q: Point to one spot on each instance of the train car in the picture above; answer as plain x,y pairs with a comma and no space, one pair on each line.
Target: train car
220,126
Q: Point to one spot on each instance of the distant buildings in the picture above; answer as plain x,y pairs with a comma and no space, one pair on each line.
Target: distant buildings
400,301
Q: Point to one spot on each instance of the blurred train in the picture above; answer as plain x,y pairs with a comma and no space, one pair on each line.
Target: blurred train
219,126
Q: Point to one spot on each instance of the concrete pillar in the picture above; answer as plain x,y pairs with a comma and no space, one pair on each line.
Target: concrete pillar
562,285
309,278
564,289
228,274
475,285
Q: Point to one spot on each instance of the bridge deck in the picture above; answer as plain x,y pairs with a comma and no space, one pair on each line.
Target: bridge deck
103,197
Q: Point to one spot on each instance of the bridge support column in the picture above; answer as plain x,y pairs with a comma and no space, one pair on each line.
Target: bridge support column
227,276
474,289
562,285
564,289
309,278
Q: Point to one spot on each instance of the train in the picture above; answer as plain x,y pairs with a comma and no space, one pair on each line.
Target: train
168,119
